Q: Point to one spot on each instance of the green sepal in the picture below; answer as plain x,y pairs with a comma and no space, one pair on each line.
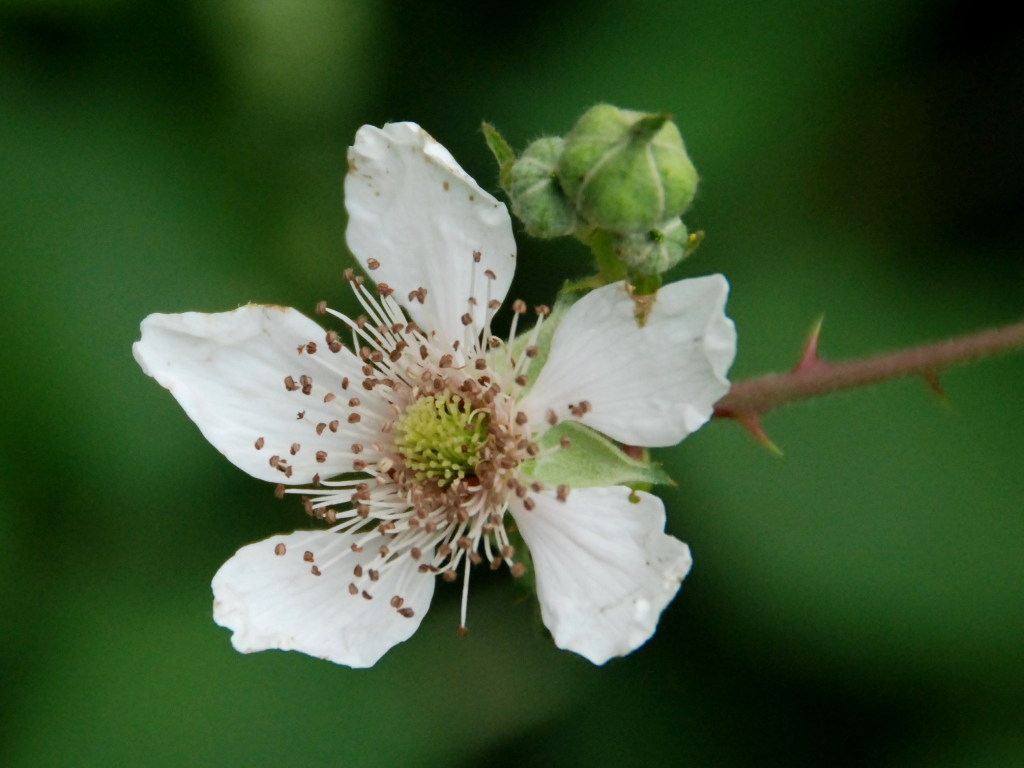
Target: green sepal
543,344
591,460
502,153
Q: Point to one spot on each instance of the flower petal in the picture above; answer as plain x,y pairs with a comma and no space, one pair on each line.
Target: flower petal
605,568
649,386
228,372
275,601
413,209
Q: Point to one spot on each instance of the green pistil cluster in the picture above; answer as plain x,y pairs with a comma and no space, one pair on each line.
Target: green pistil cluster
440,437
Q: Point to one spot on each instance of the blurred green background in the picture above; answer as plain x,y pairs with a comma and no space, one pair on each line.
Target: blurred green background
860,602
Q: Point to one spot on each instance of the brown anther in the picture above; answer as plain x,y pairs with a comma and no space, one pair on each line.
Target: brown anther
354,418
331,516
519,307
358,571
369,384
344,383
494,342
377,356
521,380
295,448
465,542
320,428
490,275
361,321
289,384
357,448
445,362
449,576
349,274
353,589
444,550
517,570
279,491
430,527
424,568
529,504
307,505
495,563
274,461
542,311
364,354
536,487
533,450
329,397
384,290
311,348
321,457
367,595
480,364
565,442
358,465
407,612
307,556
333,426
374,575
552,417
520,418
315,571
363,510
280,550
467,319
331,337
531,352
562,493
316,480
508,551
372,264
321,307
474,558
383,551
395,355
424,354
288,472
335,347
476,256
359,281
415,553
521,491
580,410
356,548
396,602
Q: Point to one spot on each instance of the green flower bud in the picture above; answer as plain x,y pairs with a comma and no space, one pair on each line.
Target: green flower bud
657,250
626,171
537,197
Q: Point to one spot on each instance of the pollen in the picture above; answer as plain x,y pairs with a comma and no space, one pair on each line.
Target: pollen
440,437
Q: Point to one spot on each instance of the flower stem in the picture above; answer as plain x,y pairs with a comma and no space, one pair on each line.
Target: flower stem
812,377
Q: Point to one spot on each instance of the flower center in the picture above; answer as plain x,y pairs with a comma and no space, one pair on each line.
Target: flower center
441,437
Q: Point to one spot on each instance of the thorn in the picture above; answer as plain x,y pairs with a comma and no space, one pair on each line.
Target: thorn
752,423
931,378
809,357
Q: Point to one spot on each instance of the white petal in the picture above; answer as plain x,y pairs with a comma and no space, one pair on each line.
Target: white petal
228,372
413,209
649,386
605,568
275,601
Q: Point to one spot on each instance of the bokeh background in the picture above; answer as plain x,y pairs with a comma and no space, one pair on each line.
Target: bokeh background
859,602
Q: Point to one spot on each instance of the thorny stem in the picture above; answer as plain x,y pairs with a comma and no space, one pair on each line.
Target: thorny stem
812,377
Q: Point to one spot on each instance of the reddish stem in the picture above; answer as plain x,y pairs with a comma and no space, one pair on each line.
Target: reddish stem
814,377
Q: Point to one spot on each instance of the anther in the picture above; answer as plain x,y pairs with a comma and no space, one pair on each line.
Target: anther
344,383
424,568
321,307
396,602
474,558
315,571
521,491
542,311
357,448
321,457
520,418
480,364
374,575
445,362
465,542
476,256
383,551
329,397
358,465
274,461
372,263
395,356
449,576
562,493
311,348
490,275
289,384
467,319
565,442
384,290
536,487
331,516
521,380
376,356
320,428
407,612
424,354
531,352
444,550
353,589
279,491
307,505
493,342
367,595
354,418
529,504
280,550
349,274
333,426
415,553
295,448
358,571
356,548
359,281
517,570
519,307
307,556
259,443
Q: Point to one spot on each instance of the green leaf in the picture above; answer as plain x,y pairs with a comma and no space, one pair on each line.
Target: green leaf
590,460
502,153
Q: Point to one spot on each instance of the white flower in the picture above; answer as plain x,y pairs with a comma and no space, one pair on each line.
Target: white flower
413,449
